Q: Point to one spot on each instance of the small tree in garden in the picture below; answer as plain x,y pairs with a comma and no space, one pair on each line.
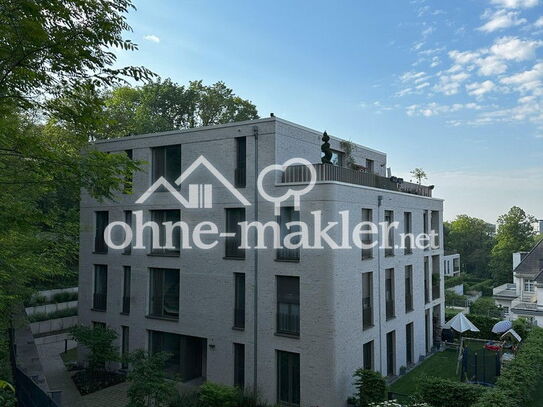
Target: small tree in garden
419,174
370,387
99,341
148,383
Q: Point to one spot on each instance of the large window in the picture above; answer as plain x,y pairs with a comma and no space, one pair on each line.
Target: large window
239,365
288,378
167,163
391,353
367,300
128,221
288,214
389,293
436,277
408,288
426,280
409,343
101,220
367,239
389,219
239,300
240,174
288,305
100,287
425,227
434,220
127,276
408,230
234,216
125,346
368,355
164,293
370,165
161,217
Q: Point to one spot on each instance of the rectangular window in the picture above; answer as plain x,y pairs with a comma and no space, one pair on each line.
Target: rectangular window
166,163
128,221
391,353
409,344
127,275
288,378
370,165
164,293
337,158
288,305
427,330
408,288
239,365
425,226
240,174
389,219
367,300
167,236
368,355
426,280
125,346
234,216
434,220
367,239
288,214
100,287
408,230
128,179
101,222
529,286
436,277
239,300
389,293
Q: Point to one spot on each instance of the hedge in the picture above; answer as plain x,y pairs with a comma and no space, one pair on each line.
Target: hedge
440,392
519,378
44,316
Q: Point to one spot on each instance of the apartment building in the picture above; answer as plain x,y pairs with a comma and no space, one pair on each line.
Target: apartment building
524,297
296,323
451,264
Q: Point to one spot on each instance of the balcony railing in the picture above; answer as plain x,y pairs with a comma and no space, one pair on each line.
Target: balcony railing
328,172
99,302
289,322
288,254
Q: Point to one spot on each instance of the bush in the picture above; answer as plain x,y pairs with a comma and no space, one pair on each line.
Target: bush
7,397
484,286
485,306
485,324
519,378
64,297
447,393
370,388
44,316
218,395
99,342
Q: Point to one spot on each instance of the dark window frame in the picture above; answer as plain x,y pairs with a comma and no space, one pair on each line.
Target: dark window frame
158,307
160,216
292,379
166,162
288,305
127,282
239,300
233,216
287,214
101,220
240,172
99,302
239,365
367,301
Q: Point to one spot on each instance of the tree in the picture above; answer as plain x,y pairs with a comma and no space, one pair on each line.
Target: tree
99,341
164,105
419,175
148,384
515,234
472,239
370,387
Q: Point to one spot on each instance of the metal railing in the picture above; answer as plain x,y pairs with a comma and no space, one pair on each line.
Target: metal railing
289,322
328,172
288,254
99,302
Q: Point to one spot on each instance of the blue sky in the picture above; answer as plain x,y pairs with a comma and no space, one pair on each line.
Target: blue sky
453,87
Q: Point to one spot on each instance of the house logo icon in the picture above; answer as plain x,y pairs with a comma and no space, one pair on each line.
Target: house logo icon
200,195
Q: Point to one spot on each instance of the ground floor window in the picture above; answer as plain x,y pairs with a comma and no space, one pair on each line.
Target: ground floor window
288,378
368,355
391,353
239,365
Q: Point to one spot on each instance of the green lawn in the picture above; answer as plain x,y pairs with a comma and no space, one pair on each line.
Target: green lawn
442,364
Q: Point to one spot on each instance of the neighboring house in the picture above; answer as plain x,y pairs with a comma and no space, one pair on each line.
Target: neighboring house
319,314
524,297
451,264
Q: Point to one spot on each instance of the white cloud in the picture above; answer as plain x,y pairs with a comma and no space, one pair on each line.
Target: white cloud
434,109
450,84
463,58
491,65
539,22
480,88
515,3
152,38
527,81
501,19
512,48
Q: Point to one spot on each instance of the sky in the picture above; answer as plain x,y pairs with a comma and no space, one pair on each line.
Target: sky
453,87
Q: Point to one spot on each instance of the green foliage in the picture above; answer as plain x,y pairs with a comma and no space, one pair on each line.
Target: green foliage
370,387
519,378
165,105
218,395
99,341
44,316
485,306
522,327
419,174
485,287
448,393
56,299
485,324
7,397
515,233
472,239
148,384
348,147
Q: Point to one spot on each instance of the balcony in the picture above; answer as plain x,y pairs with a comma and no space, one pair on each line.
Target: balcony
526,306
328,172
506,291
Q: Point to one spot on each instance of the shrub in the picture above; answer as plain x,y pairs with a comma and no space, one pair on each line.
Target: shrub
520,377
485,306
64,297
99,342
447,393
7,397
218,395
370,387
44,316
